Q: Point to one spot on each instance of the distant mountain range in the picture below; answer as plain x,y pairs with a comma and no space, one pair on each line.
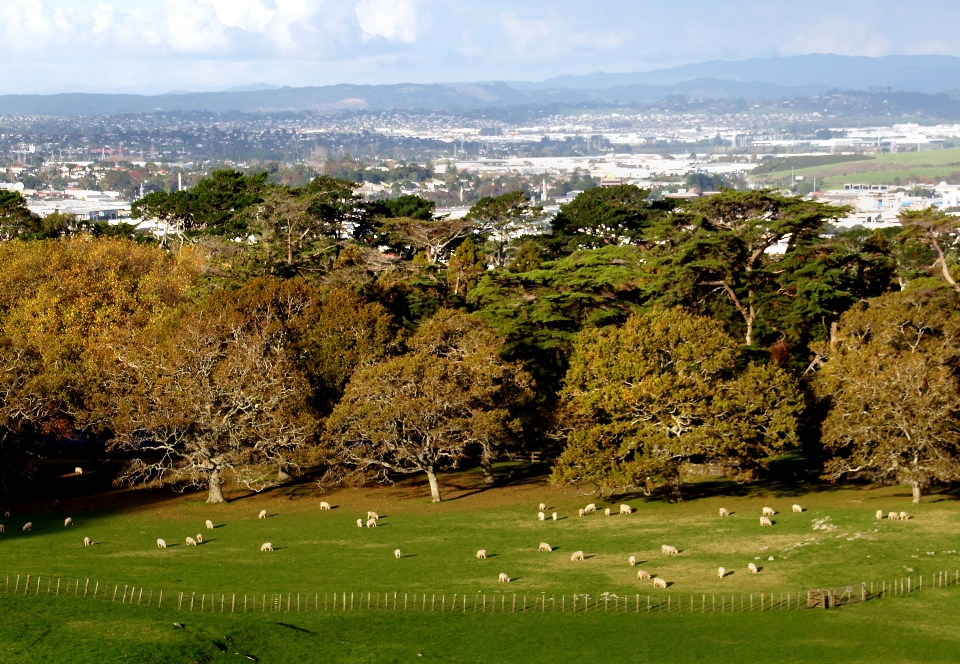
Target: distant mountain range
756,79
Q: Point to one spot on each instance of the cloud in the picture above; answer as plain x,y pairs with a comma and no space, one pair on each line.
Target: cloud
395,20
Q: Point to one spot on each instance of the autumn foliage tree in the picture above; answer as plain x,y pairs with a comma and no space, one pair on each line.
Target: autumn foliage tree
892,387
663,390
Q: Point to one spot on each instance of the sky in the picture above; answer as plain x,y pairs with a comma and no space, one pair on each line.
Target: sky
155,46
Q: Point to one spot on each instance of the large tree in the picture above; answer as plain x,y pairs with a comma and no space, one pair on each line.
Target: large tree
502,217
664,390
603,216
940,232
425,410
892,387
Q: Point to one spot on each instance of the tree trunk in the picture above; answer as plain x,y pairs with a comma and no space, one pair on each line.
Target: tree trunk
485,463
215,488
677,495
434,486
917,493
282,474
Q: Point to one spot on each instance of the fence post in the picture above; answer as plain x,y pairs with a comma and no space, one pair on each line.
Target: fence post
86,587
233,603
515,602
193,596
26,588
453,609
160,600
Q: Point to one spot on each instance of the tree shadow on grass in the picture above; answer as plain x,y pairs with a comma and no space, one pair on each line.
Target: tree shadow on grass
296,629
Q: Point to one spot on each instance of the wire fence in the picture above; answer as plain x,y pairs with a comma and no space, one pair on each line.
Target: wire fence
500,602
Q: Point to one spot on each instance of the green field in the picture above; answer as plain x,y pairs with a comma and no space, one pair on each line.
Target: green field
321,553
931,165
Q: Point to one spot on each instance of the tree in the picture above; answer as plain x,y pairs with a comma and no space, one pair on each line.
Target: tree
410,206
603,216
424,410
434,237
892,387
501,217
528,259
217,396
663,390
465,266
338,207
15,218
937,230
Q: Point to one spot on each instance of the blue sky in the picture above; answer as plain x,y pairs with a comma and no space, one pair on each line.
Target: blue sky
160,45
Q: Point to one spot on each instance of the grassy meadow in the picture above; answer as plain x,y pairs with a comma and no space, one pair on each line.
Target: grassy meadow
836,541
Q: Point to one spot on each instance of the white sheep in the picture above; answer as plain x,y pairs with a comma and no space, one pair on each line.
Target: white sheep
669,550
542,507
626,509
879,514
724,512
606,512
482,554
6,515
797,509
580,512
721,573
262,515
397,554
554,516
541,516
1,527
643,575
28,526
371,523
209,524
199,538
503,578
765,521
768,511
78,471
373,515
632,560
545,547
359,523
894,516
67,522
753,569
161,544
592,507
191,541
324,506
904,516
659,583
577,555
266,546
87,541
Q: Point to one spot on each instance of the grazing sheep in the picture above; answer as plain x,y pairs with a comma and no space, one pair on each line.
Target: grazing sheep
359,523
894,516
643,575
580,513
724,512
373,515
669,550
209,524
904,516
28,526
161,544
577,555
659,583
324,506
592,507
199,538
797,509
263,514
768,511
397,554
67,522
503,578
482,554
606,512
1,527
765,521
266,546
542,507
87,541
6,515
721,573
78,471
191,541
541,516
626,509
753,569
371,523
554,515
545,547
632,560
879,514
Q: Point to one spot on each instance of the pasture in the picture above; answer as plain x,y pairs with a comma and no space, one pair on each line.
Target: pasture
835,542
